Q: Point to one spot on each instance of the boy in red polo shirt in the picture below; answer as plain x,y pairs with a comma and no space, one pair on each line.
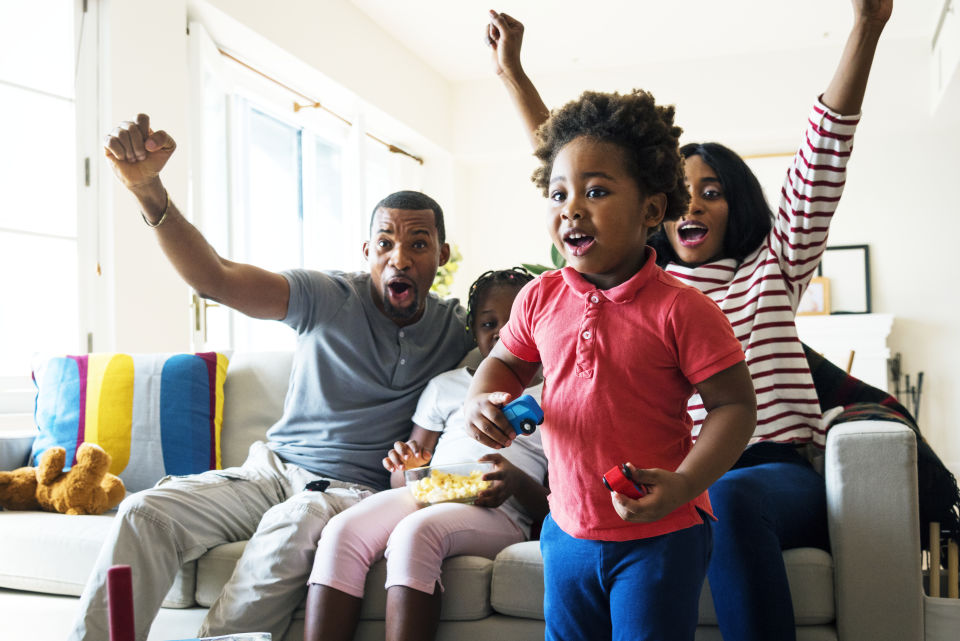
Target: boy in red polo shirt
623,346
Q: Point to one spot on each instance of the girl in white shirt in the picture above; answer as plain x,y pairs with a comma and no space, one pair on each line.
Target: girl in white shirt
415,540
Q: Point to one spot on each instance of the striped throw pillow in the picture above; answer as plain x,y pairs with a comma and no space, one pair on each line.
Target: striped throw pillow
155,414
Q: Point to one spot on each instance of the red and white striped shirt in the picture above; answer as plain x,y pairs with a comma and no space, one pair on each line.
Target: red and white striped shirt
760,295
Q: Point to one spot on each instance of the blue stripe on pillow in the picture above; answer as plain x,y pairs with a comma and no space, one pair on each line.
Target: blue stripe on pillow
58,408
185,404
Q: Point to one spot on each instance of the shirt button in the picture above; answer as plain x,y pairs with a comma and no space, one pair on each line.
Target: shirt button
594,299
402,334
403,361
586,335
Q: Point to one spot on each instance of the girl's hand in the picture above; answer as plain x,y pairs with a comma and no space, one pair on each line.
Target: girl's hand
406,456
505,480
485,421
666,491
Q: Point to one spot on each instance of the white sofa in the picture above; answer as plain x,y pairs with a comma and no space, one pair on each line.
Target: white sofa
868,588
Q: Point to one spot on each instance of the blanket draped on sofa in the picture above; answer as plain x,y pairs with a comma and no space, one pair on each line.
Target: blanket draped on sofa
938,493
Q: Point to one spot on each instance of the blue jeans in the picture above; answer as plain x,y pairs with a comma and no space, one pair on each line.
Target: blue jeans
642,589
772,500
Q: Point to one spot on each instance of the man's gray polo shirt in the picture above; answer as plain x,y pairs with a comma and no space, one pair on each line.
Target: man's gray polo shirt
356,375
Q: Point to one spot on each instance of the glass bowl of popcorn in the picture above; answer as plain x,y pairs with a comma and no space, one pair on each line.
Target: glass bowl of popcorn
458,483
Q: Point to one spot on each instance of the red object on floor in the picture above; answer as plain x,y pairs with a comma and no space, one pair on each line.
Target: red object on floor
120,602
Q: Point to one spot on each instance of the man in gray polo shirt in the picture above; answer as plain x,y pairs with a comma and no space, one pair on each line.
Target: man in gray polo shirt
367,345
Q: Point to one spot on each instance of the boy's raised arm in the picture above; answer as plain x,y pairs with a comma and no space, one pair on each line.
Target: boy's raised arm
504,37
138,154
500,378
845,92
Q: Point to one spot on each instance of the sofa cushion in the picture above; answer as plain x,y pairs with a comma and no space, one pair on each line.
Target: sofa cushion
253,395
810,573
155,414
55,553
517,587
465,580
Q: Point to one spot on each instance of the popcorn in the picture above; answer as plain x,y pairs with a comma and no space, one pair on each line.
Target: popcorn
445,486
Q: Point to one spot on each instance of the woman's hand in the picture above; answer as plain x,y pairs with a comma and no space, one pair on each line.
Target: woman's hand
505,481
406,456
666,491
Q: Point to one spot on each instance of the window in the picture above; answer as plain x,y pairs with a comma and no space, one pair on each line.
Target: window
47,65
297,191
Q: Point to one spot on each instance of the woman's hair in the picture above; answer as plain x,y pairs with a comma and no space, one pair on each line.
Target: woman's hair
749,219
635,123
513,277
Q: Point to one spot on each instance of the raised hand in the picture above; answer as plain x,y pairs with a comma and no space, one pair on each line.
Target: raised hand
505,481
877,11
137,153
406,456
504,36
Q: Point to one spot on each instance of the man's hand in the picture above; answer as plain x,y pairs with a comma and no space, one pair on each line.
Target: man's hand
137,154
485,421
505,480
666,491
406,456
504,36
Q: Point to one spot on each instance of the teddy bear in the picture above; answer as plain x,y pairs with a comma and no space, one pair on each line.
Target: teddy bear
86,489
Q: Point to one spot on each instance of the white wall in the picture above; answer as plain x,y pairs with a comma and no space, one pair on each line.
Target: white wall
899,198
145,71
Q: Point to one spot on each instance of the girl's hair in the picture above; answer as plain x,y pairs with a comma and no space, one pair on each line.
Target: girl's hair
635,123
514,277
749,219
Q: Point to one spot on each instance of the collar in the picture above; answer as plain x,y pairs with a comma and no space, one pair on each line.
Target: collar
622,293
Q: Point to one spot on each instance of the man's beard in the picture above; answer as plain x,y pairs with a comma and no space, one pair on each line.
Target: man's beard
401,313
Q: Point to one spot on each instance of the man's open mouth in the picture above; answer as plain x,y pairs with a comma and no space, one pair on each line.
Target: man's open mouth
400,290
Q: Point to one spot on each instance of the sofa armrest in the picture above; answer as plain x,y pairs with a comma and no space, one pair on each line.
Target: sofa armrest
15,448
872,512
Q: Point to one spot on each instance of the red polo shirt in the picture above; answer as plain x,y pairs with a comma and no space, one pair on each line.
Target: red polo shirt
619,365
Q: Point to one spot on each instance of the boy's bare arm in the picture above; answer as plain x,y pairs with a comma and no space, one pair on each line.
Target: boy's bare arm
845,92
500,378
731,405
504,37
137,154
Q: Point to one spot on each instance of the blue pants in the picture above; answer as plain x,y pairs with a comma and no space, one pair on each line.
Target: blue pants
772,500
643,589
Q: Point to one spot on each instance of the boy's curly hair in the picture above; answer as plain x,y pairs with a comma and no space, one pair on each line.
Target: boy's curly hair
635,123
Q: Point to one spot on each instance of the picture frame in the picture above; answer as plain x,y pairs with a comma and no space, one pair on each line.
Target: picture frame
816,300
848,269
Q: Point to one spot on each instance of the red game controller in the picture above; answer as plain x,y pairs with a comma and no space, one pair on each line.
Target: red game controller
617,479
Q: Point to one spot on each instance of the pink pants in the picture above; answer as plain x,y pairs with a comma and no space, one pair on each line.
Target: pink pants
414,541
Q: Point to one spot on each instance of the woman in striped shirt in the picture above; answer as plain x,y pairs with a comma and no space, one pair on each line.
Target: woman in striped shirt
755,264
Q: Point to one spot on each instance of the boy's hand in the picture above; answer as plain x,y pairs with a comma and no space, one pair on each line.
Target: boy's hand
666,491
504,36
406,456
485,421
505,479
